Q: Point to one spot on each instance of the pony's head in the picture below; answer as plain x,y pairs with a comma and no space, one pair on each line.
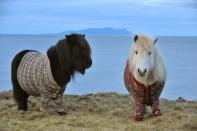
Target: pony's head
142,56
70,55
80,52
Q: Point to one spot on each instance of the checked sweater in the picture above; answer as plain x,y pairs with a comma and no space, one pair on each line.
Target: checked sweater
35,78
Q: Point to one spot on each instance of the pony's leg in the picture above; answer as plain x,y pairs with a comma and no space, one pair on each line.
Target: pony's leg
60,104
20,96
44,103
137,116
139,113
22,103
139,109
155,107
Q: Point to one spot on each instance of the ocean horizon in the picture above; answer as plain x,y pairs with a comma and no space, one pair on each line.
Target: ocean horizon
109,54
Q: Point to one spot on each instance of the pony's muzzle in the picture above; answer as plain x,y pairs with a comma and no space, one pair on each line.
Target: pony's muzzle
142,73
89,64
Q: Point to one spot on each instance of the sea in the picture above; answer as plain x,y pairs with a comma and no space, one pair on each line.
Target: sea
109,54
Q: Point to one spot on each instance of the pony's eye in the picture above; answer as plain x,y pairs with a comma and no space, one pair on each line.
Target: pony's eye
149,53
136,52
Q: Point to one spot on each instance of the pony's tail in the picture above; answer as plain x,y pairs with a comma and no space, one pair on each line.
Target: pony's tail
20,96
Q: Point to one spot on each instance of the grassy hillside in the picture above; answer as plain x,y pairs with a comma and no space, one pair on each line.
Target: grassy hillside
96,112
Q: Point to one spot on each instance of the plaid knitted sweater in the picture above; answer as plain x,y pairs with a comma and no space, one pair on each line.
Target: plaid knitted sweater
35,77
143,95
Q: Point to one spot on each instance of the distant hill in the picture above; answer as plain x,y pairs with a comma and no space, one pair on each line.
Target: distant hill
101,32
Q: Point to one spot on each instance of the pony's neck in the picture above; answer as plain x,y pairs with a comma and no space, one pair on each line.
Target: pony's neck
160,71
60,76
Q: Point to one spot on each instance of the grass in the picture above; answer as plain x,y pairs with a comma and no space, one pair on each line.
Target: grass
96,112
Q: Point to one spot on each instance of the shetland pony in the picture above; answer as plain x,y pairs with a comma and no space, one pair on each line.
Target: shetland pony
145,75
70,55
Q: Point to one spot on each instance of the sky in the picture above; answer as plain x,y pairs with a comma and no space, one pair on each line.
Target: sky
157,17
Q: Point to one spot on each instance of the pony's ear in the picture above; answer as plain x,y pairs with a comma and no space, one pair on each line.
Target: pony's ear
135,38
66,36
155,40
84,35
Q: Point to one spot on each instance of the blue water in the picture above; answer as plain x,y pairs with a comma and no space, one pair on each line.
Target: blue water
109,56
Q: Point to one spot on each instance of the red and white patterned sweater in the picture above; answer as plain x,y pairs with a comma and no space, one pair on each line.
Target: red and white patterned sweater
143,95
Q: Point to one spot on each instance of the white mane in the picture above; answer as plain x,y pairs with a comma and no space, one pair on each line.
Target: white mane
158,72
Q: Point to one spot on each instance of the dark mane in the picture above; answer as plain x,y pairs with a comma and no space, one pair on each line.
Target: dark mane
59,57
67,57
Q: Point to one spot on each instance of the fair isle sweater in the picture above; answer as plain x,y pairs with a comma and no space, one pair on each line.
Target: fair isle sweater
35,77
143,95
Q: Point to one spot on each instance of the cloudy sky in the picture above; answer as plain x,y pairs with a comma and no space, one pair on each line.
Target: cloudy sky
157,17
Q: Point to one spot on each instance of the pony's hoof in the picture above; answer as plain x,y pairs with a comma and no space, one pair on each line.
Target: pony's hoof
61,113
156,113
138,118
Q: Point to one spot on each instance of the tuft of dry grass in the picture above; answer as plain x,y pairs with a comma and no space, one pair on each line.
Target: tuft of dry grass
98,112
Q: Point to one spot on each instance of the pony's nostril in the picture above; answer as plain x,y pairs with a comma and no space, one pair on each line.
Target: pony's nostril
139,70
145,70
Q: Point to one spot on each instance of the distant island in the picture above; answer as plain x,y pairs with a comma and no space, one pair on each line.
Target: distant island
108,31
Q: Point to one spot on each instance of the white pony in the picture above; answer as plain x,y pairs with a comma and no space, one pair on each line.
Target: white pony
145,75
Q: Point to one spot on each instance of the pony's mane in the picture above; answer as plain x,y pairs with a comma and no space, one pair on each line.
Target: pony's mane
64,57
158,73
